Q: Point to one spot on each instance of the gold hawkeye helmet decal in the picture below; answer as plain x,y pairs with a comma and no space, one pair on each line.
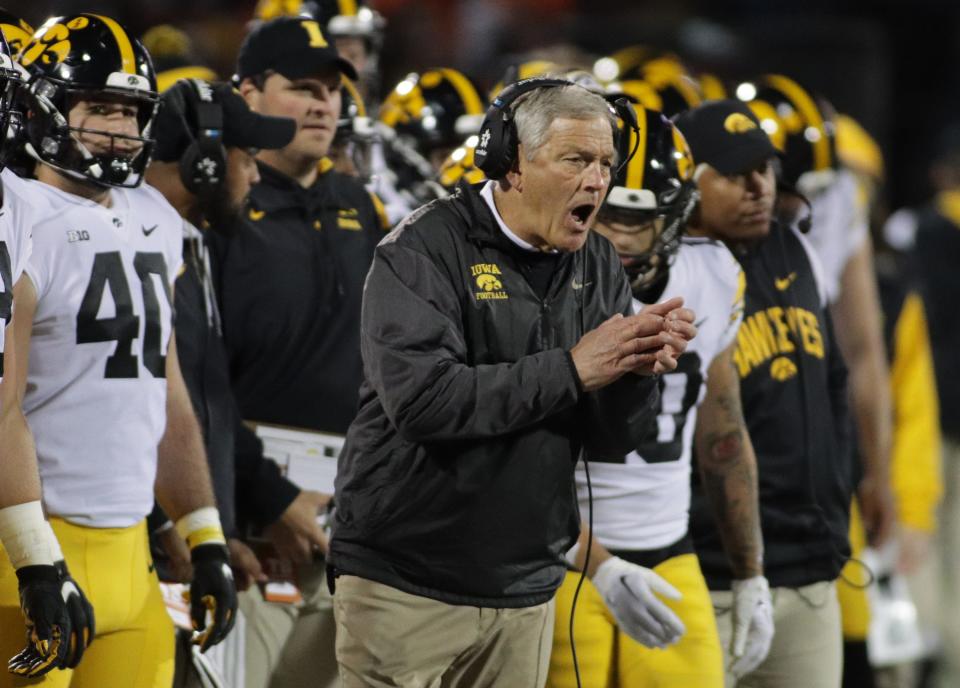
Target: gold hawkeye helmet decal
738,123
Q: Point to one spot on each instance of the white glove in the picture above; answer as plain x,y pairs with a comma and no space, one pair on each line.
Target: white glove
629,590
752,624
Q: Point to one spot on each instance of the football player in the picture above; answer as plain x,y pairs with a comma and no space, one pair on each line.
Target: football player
59,619
94,361
640,502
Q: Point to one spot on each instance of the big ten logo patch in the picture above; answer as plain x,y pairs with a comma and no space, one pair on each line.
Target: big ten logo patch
487,278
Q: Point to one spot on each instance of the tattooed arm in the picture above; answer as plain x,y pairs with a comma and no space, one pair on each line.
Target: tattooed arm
728,467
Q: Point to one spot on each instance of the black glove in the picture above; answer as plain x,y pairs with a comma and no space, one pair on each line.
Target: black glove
82,624
212,589
47,620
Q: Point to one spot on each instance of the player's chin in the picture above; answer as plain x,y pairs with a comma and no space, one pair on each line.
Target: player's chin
755,227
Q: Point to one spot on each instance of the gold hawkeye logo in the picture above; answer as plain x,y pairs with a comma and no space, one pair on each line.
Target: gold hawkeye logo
738,123
486,276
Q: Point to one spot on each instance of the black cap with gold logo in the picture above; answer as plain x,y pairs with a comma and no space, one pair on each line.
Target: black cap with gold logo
292,46
726,135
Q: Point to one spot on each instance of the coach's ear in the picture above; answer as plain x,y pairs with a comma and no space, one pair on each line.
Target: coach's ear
514,176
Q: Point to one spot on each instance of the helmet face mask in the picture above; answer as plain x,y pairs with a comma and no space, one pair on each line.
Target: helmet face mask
650,201
81,95
11,117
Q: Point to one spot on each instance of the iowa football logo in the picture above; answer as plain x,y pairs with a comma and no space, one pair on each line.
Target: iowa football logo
782,369
53,45
489,283
487,280
738,123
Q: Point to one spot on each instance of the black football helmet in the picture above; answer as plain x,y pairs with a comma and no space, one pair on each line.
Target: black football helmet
15,30
351,18
11,82
655,188
356,131
87,56
801,125
435,109
460,165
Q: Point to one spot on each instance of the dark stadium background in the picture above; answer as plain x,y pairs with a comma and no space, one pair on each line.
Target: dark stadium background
892,64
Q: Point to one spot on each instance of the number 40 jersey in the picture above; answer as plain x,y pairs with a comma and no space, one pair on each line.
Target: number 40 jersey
96,388
642,501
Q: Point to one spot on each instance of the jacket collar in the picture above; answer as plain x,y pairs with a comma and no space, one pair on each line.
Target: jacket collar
277,191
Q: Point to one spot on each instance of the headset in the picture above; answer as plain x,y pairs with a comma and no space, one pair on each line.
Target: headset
497,147
203,165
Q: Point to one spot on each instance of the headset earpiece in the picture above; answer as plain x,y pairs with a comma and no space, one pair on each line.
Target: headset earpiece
497,148
203,165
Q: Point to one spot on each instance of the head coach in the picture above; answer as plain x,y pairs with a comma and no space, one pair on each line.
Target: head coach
497,341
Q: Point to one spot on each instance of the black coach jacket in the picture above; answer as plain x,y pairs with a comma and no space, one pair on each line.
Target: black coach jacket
456,480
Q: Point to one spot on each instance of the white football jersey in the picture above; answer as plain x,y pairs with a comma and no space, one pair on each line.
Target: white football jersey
839,228
22,208
642,501
96,386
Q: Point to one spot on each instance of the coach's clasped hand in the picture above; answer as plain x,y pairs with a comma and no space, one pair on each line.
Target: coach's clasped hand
630,592
646,343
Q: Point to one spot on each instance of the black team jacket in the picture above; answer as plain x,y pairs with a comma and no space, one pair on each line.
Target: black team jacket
794,395
456,480
290,280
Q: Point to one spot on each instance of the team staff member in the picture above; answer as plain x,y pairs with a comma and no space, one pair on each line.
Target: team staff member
641,501
289,278
204,166
793,390
497,342
95,365
208,198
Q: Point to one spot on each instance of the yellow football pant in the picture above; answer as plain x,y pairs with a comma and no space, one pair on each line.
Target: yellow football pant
610,659
134,644
851,586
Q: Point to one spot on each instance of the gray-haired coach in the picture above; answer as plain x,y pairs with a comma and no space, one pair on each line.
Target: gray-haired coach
497,341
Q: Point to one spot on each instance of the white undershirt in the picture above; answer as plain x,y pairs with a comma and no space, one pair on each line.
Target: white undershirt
486,193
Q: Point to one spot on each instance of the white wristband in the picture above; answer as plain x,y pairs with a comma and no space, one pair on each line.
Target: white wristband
55,550
27,536
201,527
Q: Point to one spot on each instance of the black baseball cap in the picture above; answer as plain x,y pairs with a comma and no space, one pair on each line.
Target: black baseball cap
726,135
177,121
291,46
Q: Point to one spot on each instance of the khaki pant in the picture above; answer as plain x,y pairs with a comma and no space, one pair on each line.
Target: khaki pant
291,645
807,650
389,638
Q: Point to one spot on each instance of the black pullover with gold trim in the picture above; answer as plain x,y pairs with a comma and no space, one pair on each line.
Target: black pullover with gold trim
793,390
